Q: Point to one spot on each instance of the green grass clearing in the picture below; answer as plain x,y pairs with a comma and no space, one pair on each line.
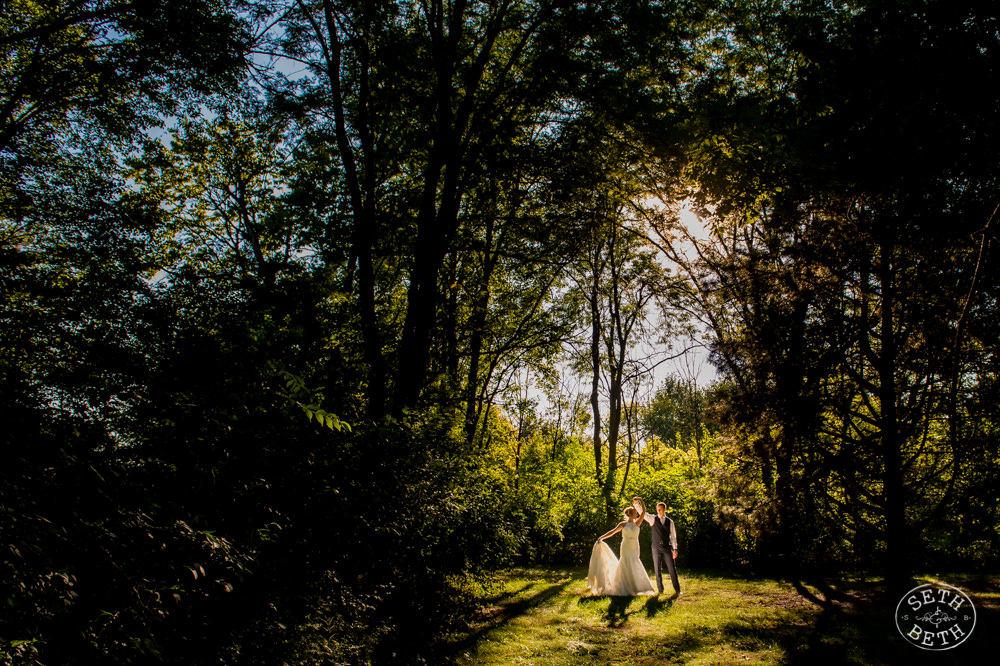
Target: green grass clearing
543,618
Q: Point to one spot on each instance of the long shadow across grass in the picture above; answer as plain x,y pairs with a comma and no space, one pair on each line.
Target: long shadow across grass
804,623
501,609
856,625
618,613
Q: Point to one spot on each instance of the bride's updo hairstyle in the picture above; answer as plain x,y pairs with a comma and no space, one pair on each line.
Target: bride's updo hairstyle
631,513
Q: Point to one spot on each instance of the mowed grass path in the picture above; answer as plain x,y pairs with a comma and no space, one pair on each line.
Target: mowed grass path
543,617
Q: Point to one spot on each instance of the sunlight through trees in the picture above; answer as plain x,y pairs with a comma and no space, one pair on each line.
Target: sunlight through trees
319,313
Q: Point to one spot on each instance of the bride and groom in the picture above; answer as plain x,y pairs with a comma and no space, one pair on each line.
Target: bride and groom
626,577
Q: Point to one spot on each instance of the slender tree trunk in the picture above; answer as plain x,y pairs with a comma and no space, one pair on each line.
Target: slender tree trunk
630,440
421,311
472,379
481,306
519,443
615,342
595,381
790,382
451,352
616,369
784,496
614,426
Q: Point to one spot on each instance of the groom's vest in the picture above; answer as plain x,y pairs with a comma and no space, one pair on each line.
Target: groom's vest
661,531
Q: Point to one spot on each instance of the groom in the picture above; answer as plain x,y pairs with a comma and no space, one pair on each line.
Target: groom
664,544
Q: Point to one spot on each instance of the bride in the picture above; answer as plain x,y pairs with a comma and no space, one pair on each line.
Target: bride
626,577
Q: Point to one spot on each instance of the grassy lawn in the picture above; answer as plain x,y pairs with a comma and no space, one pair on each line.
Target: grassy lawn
543,618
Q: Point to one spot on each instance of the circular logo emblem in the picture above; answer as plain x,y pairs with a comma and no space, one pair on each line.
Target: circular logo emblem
935,616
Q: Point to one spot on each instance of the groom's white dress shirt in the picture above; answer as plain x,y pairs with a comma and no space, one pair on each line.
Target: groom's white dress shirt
650,517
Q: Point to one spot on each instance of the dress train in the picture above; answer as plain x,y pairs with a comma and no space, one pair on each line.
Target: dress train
609,576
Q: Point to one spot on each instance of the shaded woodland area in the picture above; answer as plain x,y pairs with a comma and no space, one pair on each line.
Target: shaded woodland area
316,313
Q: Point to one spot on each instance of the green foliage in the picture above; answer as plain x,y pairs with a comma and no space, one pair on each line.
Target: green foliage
81,73
557,509
308,400
839,278
412,205
97,567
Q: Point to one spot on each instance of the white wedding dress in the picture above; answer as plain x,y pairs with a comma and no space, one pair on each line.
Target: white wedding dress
626,577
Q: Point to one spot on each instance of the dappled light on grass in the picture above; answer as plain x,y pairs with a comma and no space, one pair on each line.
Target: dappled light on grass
545,618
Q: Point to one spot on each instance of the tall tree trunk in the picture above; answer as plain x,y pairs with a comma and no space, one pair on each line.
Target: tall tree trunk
472,379
362,201
790,382
897,565
595,377
437,220
451,353
630,435
616,370
421,307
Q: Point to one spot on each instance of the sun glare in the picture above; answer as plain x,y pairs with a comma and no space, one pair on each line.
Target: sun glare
695,227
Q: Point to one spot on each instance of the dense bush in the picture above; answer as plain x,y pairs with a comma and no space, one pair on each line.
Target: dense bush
116,560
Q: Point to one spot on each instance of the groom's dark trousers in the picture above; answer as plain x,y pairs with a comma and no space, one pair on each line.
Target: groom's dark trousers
663,554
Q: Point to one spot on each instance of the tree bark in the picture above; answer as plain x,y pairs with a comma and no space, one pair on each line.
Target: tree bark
362,203
595,381
897,564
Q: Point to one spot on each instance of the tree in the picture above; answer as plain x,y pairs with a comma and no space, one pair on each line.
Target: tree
819,241
435,109
626,295
426,124
82,82
219,184
678,414
107,66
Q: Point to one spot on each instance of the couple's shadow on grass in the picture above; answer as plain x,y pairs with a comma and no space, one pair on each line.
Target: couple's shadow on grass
621,608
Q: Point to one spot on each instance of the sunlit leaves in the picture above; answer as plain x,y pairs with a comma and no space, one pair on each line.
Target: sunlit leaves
220,184
308,399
